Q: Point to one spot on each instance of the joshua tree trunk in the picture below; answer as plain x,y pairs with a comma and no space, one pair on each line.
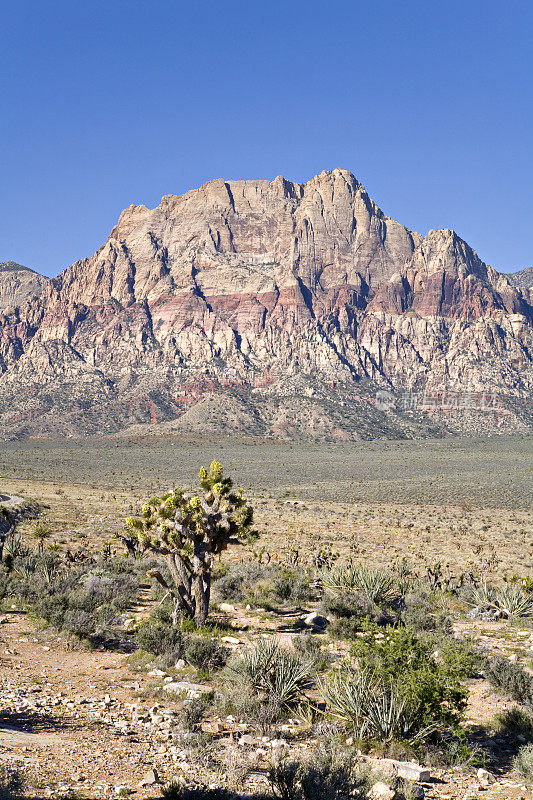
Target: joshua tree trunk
202,591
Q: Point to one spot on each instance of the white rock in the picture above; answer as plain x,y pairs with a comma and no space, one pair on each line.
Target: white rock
192,690
150,778
381,791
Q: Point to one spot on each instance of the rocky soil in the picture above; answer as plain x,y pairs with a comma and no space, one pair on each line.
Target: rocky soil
87,721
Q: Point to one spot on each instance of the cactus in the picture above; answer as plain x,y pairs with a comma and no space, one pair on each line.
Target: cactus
190,530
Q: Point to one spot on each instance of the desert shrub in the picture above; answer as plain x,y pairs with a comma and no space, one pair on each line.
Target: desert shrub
272,673
399,688
327,774
510,678
431,686
162,640
309,648
193,713
451,750
11,783
291,585
523,763
175,791
206,654
237,581
515,724
80,598
352,613
419,613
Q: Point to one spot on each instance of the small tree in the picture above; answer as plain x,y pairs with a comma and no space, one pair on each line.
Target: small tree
190,530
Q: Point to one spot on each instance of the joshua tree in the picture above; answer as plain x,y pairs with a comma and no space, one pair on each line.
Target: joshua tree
6,528
190,530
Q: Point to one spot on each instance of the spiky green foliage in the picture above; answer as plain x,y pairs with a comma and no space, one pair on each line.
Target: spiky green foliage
376,585
397,688
273,673
511,600
190,529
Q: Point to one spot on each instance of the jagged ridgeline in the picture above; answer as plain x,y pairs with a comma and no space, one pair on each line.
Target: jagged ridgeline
272,308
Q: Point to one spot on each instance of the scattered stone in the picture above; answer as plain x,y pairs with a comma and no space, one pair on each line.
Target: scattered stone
485,777
230,640
275,743
381,791
246,739
192,690
315,620
485,613
180,664
150,778
226,607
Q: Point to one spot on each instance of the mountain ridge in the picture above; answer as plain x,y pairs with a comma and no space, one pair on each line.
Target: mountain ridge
243,286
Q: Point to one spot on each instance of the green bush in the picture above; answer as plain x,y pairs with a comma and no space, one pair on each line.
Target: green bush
81,598
193,713
326,774
175,791
515,725
431,686
400,689
291,585
510,678
420,614
162,640
309,648
206,654
237,581
523,763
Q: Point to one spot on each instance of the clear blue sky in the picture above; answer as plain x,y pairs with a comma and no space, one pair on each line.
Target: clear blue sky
103,104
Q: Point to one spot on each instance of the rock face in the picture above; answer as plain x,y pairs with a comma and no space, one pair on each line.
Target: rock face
523,280
18,285
267,295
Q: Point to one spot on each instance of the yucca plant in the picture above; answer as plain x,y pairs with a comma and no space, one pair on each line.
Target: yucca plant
376,585
514,601
347,695
339,579
510,599
483,594
273,672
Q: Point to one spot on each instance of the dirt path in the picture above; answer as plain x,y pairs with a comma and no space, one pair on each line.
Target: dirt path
9,501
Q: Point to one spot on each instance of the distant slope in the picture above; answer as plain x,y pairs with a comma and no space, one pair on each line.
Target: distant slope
18,285
523,278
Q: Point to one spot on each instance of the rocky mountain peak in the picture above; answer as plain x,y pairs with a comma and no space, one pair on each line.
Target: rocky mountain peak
265,289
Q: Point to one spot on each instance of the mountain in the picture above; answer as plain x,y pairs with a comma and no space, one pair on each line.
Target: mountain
523,279
269,308
18,285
